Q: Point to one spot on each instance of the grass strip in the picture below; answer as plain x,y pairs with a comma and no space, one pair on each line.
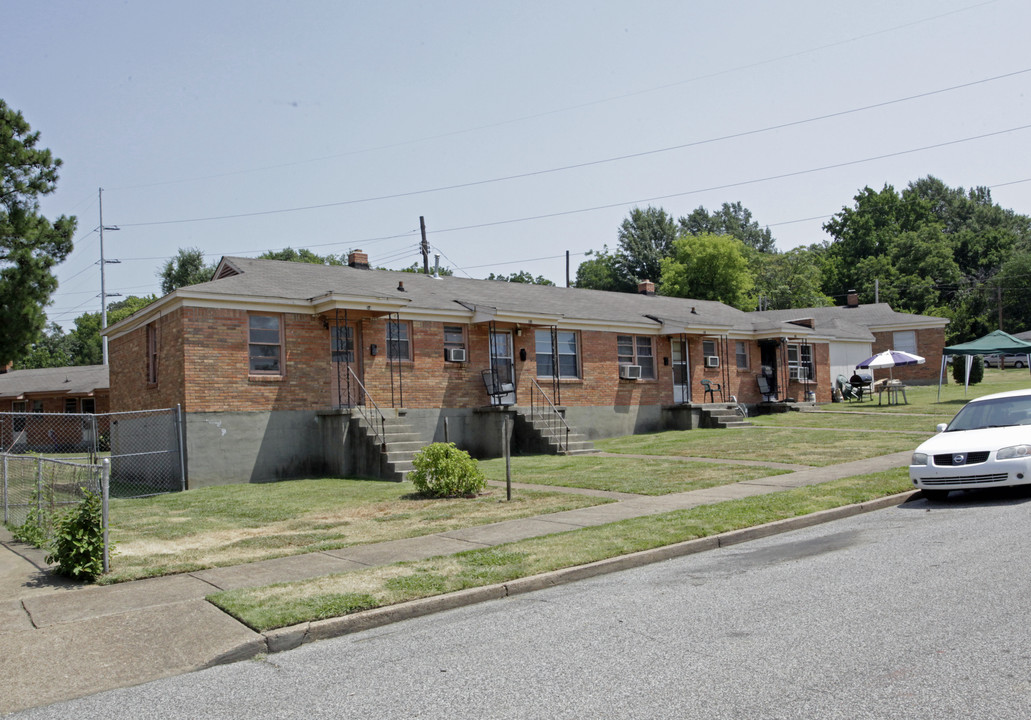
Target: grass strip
283,604
628,475
816,447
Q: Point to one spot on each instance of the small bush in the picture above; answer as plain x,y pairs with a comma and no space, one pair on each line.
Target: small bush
442,470
78,544
959,369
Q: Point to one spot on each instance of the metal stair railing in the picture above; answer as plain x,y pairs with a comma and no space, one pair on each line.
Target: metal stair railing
381,434
542,408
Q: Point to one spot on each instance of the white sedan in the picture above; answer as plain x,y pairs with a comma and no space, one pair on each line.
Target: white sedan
987,444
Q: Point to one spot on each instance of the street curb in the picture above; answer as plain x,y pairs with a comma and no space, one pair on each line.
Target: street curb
294,636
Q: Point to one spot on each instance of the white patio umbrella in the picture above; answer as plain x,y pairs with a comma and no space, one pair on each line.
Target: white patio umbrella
889,359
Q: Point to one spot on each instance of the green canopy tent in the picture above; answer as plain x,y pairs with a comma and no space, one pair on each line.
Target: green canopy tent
994,342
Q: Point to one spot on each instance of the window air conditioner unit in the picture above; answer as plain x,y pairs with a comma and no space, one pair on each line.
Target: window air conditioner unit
454,354
630,372
799,373
712,361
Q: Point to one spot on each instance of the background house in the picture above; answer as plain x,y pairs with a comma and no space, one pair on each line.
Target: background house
860,331
65,390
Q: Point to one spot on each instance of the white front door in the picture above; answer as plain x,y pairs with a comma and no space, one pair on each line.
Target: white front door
681,372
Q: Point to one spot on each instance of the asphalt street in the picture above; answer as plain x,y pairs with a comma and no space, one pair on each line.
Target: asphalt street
917,611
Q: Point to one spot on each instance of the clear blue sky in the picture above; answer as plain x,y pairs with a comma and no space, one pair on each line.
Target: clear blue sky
369,114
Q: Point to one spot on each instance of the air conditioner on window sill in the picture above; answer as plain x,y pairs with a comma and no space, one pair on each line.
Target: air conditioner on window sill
712,361
630,372
799,373
454,354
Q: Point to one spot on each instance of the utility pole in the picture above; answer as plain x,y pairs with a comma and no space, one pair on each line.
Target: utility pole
998,300
103,286
424,246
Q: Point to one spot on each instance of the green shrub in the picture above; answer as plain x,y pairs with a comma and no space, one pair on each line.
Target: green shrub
442,470
959,369
78,544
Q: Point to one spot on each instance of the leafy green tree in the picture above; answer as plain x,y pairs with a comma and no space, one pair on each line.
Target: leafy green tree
1013,286
788,280
417,268
522,277
30,245
51,348
708,267
303,255
186,268
85,341
732,219
645,238
600,273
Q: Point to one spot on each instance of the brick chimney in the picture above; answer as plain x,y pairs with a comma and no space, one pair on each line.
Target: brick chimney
358,259
646,287
852,300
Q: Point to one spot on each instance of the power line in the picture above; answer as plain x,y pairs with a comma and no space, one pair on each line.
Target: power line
570,108
578,166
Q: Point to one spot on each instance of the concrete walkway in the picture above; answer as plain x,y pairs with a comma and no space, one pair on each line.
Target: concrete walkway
60,640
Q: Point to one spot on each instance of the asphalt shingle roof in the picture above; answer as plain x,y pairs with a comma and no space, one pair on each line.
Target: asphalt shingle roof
76,380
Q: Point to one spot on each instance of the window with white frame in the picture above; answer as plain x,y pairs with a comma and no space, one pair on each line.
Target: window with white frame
636,350
800,362
564,347
710,354
265,345
741,354
904,341
399,343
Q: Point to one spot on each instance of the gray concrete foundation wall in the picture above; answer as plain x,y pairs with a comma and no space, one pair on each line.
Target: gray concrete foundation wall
246,447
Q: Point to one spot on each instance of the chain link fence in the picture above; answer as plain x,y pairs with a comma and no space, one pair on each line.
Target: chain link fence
145,449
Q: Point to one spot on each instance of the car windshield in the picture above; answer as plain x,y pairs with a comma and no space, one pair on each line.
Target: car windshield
1001,412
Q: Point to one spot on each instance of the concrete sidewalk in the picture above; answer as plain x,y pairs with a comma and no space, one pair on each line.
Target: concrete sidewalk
60,640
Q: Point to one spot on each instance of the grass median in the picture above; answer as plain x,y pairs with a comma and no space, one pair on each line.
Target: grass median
285,604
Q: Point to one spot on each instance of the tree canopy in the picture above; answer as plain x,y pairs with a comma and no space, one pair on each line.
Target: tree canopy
30,245
186,268
303,255
522,277
708,267
732,219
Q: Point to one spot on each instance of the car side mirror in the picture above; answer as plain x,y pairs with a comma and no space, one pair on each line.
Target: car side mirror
940,427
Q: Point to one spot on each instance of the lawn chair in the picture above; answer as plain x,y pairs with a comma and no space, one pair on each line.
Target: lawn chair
764,389
710,389
501,393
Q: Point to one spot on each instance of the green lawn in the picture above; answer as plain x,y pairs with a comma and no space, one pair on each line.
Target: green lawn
816,447
286,604
234,524
629,475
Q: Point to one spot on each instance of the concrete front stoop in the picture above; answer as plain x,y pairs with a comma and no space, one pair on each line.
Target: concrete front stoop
393,443
536,435
722,416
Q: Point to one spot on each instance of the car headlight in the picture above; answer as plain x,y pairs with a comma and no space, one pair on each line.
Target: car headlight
919,459
1015,451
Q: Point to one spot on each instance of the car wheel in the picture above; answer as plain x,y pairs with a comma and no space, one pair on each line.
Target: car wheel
1018,364
935,495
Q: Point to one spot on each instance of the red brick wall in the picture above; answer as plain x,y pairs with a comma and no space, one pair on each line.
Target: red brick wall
128,367
217,366
203,364
929,345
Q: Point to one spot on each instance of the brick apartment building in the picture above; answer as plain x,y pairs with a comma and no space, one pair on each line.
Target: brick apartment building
270,360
